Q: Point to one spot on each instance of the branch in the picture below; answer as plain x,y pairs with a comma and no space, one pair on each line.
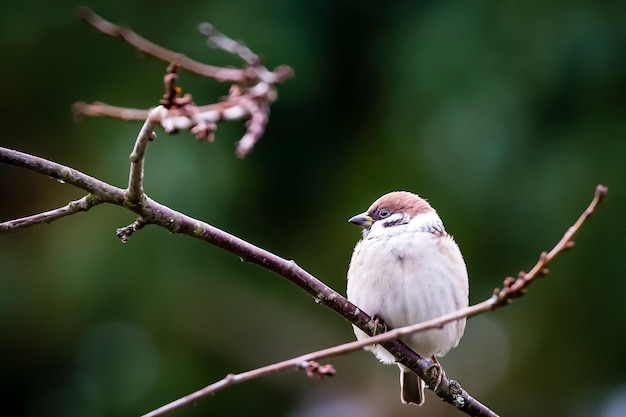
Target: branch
499,299
62,173
222,41
250,96
25,223
124,233
219,40
146,134
99,191
514,288
152,49
98,109
226,110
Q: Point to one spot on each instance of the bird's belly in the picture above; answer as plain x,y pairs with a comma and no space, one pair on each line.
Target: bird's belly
405,284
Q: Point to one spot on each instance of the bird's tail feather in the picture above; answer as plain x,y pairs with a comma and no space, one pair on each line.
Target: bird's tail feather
411,387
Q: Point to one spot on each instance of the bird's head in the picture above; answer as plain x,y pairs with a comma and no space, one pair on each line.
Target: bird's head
398,208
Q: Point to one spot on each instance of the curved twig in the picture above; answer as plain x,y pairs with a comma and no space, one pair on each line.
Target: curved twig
47,217
150,48
216,38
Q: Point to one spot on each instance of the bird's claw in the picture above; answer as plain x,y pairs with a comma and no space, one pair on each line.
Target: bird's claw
379,325
440,372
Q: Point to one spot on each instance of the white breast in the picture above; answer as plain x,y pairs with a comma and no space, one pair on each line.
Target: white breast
406,277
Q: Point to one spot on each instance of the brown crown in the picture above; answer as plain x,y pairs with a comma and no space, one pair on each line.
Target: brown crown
401,201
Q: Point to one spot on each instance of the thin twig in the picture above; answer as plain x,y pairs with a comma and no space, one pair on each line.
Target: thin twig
256,127
99,109
499,299
233,109
100,189
514,288
152,49
250,97
137,157
124,233
199,120
219,40
254,72
25,223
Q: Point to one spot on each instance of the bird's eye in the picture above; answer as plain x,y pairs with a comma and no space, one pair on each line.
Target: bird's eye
384,213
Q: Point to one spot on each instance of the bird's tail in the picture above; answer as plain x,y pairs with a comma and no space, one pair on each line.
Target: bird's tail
411,387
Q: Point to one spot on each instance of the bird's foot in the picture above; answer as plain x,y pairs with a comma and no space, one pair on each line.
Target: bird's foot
379,325
440,372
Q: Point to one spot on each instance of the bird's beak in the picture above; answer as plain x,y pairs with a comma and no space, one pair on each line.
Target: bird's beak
363,219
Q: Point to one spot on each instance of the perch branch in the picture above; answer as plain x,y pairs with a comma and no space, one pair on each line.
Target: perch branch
499,299
514,288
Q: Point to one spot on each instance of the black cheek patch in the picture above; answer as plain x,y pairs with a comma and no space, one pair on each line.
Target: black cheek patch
393,222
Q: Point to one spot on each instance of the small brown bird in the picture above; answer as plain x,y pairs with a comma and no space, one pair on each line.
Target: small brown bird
405,270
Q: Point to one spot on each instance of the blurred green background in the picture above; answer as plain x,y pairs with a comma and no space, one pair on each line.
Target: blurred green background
505,115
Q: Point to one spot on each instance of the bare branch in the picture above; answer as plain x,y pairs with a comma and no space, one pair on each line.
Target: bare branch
514,288
25,223
219,40
100,192
146,134
100,189
152,49
99,109
249,99
300,362
125,232
279,75
256,127
200,120
500,299
233,109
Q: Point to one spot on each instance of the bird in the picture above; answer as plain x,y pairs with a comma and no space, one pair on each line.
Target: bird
407,269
